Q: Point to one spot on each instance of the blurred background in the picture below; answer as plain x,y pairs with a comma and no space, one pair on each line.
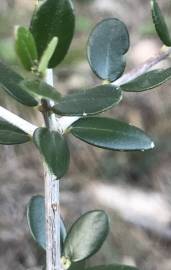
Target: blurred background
134,188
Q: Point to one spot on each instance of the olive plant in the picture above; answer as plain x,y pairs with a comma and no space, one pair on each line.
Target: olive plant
40,48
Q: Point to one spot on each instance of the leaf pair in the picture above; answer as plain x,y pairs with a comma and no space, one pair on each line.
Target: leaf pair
84,238
26,50
101,132
49,38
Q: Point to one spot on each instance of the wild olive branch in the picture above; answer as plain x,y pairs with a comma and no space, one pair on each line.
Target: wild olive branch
65,121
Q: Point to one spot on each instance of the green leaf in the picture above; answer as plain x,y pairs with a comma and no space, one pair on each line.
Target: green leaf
25,47
36,221
107,44
54,18
77,266
111,134
112,267
160,24
40,89
10,134
44,61
54,149
91,101
9,82
86,236
148,80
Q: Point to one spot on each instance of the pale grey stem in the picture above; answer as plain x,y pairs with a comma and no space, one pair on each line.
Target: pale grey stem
65,122
52,204
17,121
52,185
143,68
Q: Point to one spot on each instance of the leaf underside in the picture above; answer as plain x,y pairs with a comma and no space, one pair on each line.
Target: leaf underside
86,236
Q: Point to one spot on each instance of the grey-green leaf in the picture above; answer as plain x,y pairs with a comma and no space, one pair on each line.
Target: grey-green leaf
54,149
148,80
111,134
36,221
40,89
107,45
25,47
54,18
9,82
160,24
112,267
88,102
86,236
10,134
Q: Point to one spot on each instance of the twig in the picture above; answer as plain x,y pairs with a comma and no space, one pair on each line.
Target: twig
17,121
65,122
52,204
141,69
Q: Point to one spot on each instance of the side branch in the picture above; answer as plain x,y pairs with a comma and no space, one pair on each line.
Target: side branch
65,121
17,121
143,68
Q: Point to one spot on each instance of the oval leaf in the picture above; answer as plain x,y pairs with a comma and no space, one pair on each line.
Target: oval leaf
148,80
91,101
54,18
25,47
86,236
160,24
40,89
9,82
36,221
54,149
107,44
112,267
111,134
10,134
